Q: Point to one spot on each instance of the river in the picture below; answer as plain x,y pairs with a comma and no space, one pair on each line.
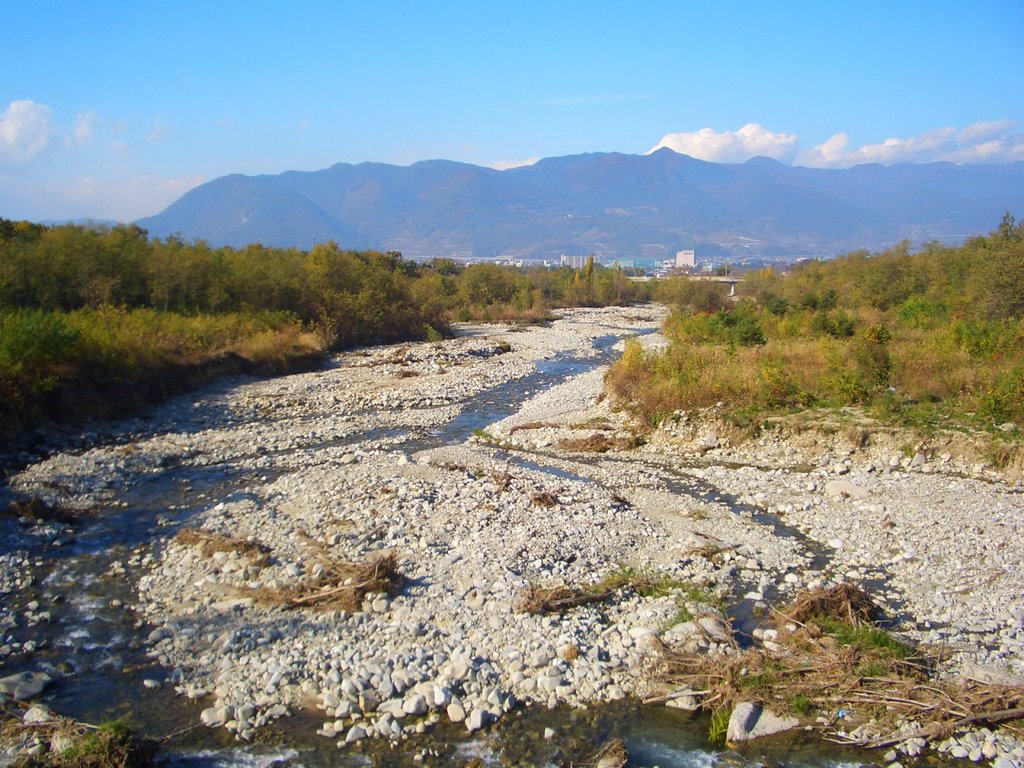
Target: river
74,621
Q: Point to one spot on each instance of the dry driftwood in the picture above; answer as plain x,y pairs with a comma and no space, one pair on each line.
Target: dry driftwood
939,730
38,509
855,669
544,499
210,543
612,755
596,444
338,585
557,599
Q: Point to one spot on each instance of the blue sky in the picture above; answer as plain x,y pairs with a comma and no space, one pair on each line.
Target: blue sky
114,109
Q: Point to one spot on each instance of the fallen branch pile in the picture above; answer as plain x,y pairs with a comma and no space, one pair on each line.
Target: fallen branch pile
338,585
597,444
843,602
561,598
829,659
558,599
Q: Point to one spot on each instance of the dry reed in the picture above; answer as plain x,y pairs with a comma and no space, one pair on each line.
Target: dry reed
210,543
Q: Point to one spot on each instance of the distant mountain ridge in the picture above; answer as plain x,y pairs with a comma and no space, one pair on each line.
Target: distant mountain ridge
610,204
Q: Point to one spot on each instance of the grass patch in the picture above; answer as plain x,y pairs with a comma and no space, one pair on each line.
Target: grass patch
719,726
800,703
866,640
644,583
79,745
485,437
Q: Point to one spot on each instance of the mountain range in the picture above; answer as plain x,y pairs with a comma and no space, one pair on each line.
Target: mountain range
610,204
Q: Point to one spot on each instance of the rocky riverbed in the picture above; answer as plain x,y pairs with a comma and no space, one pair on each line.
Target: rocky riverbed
371,456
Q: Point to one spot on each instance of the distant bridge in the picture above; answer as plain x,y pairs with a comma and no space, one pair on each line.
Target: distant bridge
730,280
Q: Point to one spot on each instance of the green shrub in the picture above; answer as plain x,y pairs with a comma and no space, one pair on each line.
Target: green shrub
33,346
1003,399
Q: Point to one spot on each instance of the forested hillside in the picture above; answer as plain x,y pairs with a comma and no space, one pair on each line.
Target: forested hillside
82,309
930,338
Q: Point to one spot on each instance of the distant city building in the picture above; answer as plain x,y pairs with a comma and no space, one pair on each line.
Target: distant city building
622,264
574,262
686,259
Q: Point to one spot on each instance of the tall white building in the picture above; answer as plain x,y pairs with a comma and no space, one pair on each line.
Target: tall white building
686,259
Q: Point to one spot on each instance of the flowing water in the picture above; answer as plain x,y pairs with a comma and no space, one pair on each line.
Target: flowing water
95,648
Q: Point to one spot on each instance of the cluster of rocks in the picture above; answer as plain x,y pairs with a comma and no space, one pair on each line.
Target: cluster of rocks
944,550
451,645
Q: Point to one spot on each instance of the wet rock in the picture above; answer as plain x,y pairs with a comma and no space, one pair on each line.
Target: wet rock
37,713
415,705
214,716
477,719
24,686
355,733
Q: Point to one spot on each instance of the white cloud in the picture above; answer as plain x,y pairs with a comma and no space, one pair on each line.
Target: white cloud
504,165
159,130
739,146
984,131
84,126
981,142
996,141
24,132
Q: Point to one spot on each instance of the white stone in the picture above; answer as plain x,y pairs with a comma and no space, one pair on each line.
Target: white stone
477,719
455,711
752,721
415,705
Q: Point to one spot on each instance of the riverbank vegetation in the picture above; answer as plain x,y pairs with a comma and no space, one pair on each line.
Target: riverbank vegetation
85,311
46,740
929,339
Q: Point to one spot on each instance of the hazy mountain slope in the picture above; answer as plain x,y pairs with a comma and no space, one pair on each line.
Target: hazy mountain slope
613,204
238,210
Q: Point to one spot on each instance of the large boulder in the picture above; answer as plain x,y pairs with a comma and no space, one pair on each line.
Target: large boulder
24,685
752,721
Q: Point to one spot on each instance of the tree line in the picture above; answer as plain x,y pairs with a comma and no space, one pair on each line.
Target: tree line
924,338
100,304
